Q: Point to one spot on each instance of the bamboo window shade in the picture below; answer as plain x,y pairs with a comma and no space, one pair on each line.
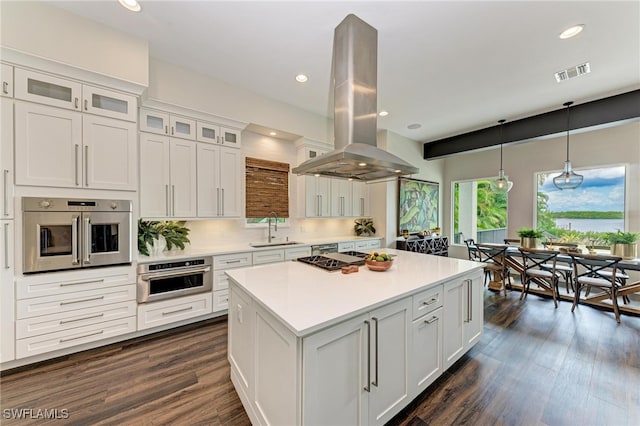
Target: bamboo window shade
267,188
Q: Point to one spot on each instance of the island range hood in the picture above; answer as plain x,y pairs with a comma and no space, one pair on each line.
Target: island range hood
355,60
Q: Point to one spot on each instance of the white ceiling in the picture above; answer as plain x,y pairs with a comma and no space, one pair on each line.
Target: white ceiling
449,66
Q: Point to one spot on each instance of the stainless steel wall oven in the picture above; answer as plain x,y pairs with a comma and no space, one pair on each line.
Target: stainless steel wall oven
166,280
65,233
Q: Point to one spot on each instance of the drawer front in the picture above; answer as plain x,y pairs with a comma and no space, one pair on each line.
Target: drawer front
427,300
220,300
76,336
220,280
294,253
268,256
169,311
367,245
228,261
346,246
46,285
28,308
30,327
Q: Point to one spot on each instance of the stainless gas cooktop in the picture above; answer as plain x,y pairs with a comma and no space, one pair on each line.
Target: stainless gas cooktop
335,261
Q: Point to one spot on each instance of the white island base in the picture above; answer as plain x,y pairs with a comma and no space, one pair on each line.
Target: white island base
312,347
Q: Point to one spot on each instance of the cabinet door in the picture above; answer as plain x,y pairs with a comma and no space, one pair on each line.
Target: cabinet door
336,370
154,175
317,196
183,178
48,145
208,165
341,198
6,158
425,356
45,89
207,132
154,121
7,297
391,326
240,347
6,76
454,303
230,178
181,127
110,154
475,311
109,103
230,137
360,199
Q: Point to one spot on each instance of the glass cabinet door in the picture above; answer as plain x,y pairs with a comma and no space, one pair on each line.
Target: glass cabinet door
230,137
154,121
109,103
45,89
182,127
207,132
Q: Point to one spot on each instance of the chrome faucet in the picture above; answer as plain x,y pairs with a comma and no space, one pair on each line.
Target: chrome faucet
275,228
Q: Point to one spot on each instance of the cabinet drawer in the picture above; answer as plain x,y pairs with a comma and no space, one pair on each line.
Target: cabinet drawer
350,246
220,280
220,300
51,284
367,245
169,311
228,261
426,301
268,256
294,253
72,301
76,336
36,326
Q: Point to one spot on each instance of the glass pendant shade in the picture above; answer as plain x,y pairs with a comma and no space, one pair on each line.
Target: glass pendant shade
568,179
501,185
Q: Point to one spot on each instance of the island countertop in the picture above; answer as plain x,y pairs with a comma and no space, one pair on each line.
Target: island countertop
306,298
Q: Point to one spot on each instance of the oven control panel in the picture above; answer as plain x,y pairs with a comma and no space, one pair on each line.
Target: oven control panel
174,265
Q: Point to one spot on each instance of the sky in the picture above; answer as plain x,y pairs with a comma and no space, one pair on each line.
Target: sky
601,190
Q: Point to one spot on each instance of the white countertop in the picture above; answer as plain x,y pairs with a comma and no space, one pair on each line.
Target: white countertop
306,298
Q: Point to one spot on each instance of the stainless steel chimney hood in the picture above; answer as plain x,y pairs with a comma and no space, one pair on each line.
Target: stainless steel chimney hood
355,60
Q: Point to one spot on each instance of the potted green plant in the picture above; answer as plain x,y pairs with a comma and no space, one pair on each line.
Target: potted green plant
624,244
529,237
154,236
364,227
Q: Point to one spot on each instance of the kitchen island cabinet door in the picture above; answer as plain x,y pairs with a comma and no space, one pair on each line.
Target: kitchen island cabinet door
154,175
473,327
426,351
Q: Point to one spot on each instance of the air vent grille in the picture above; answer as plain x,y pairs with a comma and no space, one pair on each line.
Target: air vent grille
573,72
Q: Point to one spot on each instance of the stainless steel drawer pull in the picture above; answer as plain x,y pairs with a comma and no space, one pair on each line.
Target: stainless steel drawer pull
375,383
5,194
368,387
430,301
81,337
433,319
177,311
176,273
71,302
5,87
81,282
233,261
80,319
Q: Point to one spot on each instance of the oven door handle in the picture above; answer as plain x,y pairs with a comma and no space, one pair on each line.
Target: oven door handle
87,240
182,272
74,240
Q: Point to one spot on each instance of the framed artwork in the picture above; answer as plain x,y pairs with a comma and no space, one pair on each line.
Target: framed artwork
418,205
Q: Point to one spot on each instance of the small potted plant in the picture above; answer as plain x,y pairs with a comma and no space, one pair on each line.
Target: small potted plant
529,237
154,237
364,227
624,244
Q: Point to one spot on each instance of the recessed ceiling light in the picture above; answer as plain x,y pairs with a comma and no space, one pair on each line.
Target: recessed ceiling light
414,126
362,164
301,78
272,133
132,5
383,113
571,31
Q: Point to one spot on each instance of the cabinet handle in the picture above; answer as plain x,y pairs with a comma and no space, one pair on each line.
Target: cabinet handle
91,299
367,387
232,261
217,201
166,199
86,165
361,206
76,154
86,105
81,282
74,243
320,205
6,246
172,130
317,205
80,337
222,199
75,103
433,319
173,200
87,240
166,129
5,181
5,87
80,319
177,311
469,300
375,383
431,301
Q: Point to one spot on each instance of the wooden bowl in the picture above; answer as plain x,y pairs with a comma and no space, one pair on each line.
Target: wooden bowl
378,266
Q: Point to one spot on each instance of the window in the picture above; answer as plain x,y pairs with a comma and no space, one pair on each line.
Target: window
478,212
267,191
585,214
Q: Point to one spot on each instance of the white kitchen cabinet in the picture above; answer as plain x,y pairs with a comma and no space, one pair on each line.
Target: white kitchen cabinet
167,311
341,198
108,103
182,127
268,256
425,356
167,177
212,133
164,123
366,245
220,300
6,78
346,246
219,172
360,199
291,253
7,289
317,196
6,158
463,317
57,147
221,281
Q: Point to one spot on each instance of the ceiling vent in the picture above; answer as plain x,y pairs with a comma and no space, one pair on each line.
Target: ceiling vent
573,72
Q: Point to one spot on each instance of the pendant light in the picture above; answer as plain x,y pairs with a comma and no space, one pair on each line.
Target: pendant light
501,185
568,179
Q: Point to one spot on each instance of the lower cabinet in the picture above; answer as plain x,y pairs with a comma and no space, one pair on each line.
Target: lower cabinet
168,311
7,291
426,350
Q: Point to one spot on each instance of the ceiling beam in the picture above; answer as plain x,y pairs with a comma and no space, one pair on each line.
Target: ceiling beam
625,106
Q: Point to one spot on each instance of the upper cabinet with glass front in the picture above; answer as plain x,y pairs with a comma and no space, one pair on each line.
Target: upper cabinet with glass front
163,123
59,92
212,133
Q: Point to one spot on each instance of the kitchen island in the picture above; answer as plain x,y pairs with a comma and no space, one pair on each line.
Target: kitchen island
307,346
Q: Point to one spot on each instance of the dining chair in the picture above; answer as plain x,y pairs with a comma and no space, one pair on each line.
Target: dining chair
540,267
596,271
494,255
474,255
565,270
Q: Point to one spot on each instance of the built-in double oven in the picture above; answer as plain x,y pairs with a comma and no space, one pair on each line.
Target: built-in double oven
60,234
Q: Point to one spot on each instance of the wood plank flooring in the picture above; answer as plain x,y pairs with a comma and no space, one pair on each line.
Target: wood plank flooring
535,365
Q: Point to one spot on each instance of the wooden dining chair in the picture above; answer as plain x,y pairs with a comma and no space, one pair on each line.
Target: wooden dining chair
474,255
565,270
596,271
494,255
540,267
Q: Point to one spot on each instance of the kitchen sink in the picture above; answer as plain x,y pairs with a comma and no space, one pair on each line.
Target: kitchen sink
285,243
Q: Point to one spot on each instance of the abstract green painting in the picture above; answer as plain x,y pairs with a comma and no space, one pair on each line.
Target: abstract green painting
418,205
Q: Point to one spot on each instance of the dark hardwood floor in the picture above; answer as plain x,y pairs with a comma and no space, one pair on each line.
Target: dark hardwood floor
535,365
